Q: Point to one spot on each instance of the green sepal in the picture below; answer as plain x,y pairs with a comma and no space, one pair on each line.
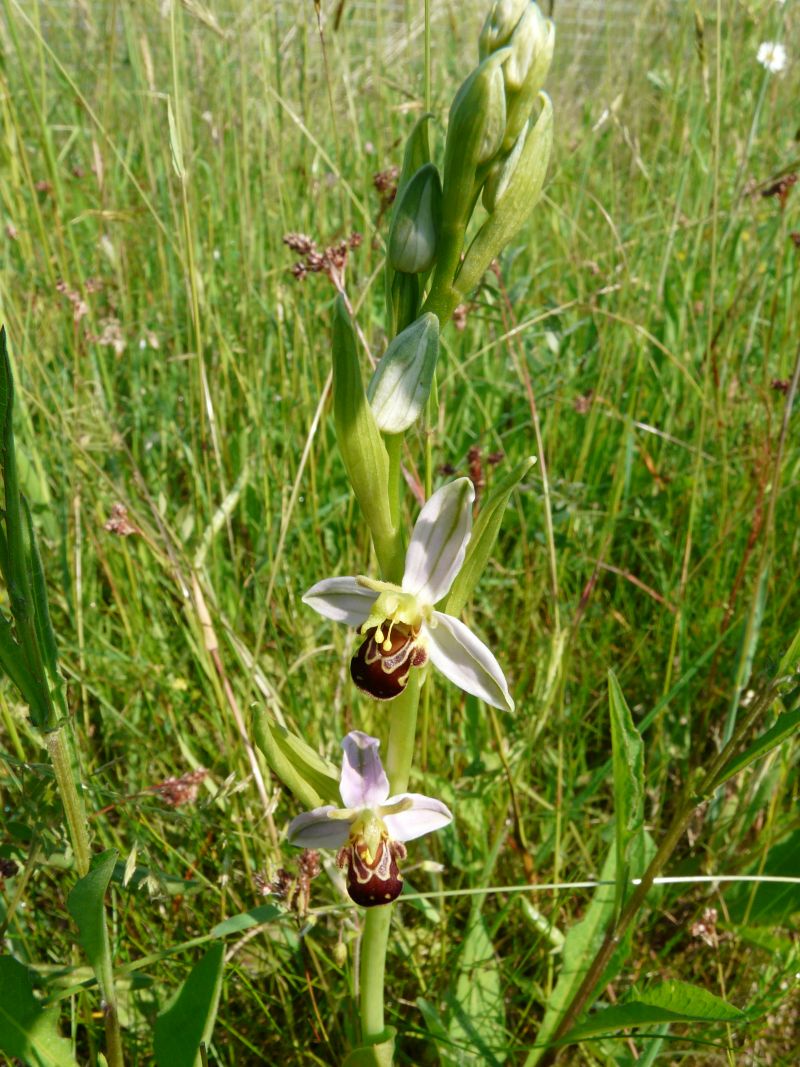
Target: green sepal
379,1053
362,449
401,384
314,781
484,535
514,202
414,236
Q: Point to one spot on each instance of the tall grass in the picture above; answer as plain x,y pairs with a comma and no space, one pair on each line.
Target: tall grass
153,157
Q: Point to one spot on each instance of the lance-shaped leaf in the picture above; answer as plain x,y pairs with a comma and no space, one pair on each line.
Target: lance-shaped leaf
484,535
516,195
402,381
189,1018
309,777
670,1002
28,1032
15,559
627,755
363,452
86,905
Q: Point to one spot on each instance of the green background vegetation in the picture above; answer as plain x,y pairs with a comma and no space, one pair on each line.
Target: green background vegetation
167,360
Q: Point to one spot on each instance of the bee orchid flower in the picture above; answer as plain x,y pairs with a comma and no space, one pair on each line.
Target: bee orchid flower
399,623
371,828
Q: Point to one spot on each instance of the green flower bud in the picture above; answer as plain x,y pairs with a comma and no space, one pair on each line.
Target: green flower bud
526,69
500,24
415,226
513,197
474,134
402,380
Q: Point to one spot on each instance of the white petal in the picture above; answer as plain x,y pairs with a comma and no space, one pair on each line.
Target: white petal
341,599
363,783
314,829
465,660
425,815
439,541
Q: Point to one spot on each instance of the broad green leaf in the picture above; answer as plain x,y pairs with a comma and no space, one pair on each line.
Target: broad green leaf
86,905
189,1018
785,726
672,1002
45,634
28,1032
477,1009
627,757
255,917
379,1054
312,779
484,535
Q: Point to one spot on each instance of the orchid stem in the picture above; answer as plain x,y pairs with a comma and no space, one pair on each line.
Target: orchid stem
399,757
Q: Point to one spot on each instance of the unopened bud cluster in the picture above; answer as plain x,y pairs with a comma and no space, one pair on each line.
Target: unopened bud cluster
498,143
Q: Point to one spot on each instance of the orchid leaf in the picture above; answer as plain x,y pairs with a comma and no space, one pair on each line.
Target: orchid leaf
86,906
627,756
189,1018
671,1002
28,1031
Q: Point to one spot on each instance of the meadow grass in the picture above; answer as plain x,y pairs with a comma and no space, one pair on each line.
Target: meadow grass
153,157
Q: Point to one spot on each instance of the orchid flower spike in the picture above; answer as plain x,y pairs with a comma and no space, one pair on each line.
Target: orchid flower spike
370,829
400,625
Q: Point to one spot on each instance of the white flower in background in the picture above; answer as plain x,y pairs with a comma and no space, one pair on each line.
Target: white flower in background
400,625
772,56
370,829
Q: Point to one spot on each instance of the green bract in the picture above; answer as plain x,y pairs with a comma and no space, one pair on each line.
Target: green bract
359,438
513,199
415,226
312,779
402,381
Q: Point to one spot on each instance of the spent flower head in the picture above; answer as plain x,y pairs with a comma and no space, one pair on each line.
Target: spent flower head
371,828
400,625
